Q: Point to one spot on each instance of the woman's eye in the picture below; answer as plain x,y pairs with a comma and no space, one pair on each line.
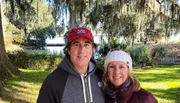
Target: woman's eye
121,67
111,66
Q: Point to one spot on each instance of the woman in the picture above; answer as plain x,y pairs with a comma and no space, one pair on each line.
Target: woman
119,84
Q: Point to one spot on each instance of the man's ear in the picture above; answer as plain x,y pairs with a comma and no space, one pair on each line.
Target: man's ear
68,51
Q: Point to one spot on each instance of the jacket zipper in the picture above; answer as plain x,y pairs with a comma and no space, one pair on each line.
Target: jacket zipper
87,89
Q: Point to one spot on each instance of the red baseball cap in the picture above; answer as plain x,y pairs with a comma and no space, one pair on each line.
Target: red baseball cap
79,32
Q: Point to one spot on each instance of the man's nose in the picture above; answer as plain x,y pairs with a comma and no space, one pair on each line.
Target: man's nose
81,48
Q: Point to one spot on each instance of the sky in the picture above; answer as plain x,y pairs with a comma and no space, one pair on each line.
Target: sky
178,1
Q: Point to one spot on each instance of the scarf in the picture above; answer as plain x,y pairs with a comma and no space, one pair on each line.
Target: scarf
111,91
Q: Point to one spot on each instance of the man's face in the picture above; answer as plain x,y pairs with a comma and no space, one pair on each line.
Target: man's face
80,52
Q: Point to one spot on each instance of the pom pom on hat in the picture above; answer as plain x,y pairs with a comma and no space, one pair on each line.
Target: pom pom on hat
118,55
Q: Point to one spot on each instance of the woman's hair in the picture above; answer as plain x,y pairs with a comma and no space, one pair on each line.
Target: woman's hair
131,76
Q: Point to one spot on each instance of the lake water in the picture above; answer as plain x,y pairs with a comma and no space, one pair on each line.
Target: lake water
60,40
55,49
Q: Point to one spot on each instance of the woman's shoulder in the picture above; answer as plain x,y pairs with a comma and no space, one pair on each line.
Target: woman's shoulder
144,95
143,92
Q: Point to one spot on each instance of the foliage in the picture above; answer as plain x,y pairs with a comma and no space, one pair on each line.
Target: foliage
137,20
14,33
8,40
18,39
20,12
23,15
140,56
100,62
71,10
113,44
34,61
159,51
38,36
11,29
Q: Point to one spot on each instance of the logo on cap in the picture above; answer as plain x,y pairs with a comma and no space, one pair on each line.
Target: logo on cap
81,31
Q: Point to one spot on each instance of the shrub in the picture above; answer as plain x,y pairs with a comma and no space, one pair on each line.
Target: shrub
159,51
140,56
100,62
19,58
34,61
18,39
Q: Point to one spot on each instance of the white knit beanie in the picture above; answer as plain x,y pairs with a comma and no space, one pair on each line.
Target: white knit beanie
118,55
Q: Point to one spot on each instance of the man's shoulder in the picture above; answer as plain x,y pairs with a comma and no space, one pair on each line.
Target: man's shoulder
53,85
57,75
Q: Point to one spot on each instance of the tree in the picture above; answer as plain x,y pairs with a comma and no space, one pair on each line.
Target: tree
138,19
18,14
6,68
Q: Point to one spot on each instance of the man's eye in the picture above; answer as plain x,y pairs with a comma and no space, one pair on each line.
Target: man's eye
76,44
87,44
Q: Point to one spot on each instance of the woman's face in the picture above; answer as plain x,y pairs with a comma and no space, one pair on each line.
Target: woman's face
117,72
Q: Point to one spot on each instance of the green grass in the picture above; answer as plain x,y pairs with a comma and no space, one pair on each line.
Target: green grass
163,82
24,88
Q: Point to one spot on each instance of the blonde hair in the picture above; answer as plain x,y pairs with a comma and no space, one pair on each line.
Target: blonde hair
131,76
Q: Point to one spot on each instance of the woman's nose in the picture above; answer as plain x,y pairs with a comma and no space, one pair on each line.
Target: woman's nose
116,70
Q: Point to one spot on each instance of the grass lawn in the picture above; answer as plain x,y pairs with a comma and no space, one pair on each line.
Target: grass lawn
24,88
163,82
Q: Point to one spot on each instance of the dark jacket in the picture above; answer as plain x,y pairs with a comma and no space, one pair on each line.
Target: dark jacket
66,85
128,95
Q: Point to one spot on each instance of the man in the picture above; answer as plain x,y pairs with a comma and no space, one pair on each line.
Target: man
75,80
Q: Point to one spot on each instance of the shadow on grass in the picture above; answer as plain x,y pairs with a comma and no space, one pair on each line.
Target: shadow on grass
34,76
13,91
150,77
171,74
6,94
170,66
168,94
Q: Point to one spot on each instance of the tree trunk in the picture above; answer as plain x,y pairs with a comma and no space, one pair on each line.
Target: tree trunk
72,10
6,68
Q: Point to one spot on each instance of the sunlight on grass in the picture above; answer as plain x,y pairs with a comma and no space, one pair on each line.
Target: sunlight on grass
24,88
153,85
162,82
